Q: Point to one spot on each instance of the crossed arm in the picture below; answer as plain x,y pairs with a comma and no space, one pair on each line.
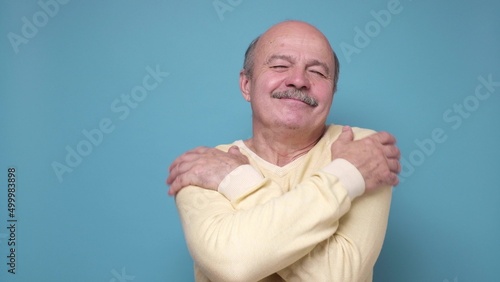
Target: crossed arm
376,157
235,245
275,235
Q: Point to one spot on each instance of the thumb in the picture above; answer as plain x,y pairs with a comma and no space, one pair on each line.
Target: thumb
346,135
234,150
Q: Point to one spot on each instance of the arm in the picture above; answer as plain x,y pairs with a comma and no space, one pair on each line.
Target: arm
349,254
230,244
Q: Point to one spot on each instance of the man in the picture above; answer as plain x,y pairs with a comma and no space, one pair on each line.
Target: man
300,200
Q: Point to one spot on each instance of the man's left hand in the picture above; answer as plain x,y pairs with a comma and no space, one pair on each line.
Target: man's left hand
204,167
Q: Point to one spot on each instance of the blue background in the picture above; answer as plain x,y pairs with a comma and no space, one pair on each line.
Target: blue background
109,218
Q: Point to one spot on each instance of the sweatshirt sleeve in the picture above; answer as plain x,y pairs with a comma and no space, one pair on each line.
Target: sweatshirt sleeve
255,241
245,178
351,253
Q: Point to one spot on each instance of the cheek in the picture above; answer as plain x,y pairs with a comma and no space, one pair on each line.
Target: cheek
324,91
270,81
328,95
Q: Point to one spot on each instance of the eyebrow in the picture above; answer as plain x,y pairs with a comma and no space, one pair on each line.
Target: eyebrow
290,59
279,57
322,64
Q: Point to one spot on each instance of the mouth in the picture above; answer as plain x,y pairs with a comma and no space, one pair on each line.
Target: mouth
294,99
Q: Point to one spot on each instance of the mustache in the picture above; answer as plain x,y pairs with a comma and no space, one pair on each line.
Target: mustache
297,95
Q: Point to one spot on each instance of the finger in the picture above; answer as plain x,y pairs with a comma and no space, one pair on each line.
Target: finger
173,172
178,160
234,150
181,168
394,165
179,182
391,179
181,165
201,150
173,190
190,155
346,135
391,151
384,138
170,179
394,179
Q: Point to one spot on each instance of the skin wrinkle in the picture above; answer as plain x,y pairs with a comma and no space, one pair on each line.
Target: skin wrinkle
248,63
292,60
285,60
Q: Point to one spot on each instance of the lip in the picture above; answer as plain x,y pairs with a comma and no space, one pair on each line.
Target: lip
293,100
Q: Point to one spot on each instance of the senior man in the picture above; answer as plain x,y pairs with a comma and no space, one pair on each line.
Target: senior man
300,200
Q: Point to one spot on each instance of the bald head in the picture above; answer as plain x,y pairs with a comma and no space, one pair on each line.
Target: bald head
290,28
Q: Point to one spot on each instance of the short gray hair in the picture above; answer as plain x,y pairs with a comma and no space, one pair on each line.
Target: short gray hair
248,64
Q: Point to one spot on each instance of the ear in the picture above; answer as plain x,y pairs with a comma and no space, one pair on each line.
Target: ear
245,85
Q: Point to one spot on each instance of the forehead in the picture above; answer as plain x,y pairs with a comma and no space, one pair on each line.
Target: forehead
300,43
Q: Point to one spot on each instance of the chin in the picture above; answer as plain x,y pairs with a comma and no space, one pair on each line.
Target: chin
292,125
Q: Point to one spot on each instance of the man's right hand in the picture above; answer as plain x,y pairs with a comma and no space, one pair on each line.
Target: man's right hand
376,157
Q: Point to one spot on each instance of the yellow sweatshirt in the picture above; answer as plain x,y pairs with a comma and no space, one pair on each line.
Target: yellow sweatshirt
306,221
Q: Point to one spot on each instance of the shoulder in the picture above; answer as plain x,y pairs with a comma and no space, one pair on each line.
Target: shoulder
333,131
225,147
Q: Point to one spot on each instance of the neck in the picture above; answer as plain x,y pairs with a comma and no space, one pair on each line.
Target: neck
282,146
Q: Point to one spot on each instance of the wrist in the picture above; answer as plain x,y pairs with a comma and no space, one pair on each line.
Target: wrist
348,175
238,181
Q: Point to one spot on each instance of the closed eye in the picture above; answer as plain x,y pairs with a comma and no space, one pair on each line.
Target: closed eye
279,68
318,73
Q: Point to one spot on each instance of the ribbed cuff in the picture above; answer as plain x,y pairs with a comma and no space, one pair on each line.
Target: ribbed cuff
348,175
238,181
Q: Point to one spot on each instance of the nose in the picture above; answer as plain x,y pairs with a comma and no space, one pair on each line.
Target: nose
298,78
